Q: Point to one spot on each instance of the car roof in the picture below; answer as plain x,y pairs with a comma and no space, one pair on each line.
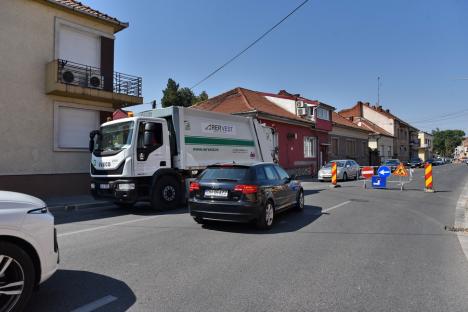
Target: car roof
241,164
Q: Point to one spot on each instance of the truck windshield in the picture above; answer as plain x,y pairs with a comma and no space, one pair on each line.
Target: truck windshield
113,138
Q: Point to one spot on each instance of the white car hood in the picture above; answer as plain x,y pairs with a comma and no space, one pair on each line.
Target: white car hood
13,200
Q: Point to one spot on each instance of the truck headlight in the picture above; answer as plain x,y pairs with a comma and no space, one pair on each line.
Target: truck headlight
93,186
126,186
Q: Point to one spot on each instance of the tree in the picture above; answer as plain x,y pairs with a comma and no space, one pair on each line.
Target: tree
170,94
202,97
445,141
175,96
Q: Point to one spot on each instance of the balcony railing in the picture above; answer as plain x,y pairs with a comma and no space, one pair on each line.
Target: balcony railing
72,73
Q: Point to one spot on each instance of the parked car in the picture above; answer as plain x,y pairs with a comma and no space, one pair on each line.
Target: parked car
243,193
345,169
416,163
28,248
392,164
438,162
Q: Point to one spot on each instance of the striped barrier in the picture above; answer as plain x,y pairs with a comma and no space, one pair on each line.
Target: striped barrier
333,177
428,183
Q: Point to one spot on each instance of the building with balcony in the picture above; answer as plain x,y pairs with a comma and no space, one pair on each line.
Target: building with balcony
57,83
425,145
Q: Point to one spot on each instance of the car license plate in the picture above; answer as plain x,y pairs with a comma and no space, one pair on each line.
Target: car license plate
216,193
104,186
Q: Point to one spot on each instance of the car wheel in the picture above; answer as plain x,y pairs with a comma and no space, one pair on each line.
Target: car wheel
199,220
17,277
166,194
345,177
300,201
265,220
357,175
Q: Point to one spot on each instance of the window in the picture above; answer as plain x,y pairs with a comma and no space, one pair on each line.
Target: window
364,148
260,173
78,45
334,146
157,134
323,114
350,147
271,173
310,144
73,125
389,151
382,150
282,174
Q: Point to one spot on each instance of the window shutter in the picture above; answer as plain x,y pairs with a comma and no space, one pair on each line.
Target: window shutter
74,126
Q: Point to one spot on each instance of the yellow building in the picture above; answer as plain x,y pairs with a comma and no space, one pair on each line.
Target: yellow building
57,83
425,145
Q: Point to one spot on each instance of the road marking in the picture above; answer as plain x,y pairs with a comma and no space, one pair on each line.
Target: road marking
461,218
92,306
336,206
106,226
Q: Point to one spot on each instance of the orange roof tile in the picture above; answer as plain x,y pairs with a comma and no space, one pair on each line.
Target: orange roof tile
340,120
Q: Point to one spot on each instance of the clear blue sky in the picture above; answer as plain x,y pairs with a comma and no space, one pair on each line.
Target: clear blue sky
331,51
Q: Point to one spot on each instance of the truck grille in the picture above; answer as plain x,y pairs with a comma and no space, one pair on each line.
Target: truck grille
118,170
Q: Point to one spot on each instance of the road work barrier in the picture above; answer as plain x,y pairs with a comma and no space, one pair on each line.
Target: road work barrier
334,177
429,188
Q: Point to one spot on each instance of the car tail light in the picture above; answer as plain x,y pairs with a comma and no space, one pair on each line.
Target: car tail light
194,186
246,188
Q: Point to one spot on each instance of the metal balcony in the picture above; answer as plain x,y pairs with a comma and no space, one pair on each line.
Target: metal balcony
66,78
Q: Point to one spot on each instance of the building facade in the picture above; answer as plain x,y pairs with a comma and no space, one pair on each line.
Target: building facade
349,141
425,145
383,118
57,84
301,146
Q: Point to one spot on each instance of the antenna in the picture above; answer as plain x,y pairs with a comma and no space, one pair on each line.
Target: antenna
378,91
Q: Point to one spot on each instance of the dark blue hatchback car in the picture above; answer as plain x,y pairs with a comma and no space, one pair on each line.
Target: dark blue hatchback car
244,193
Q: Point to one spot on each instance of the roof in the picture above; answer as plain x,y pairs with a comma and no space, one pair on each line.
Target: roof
283,94
241,100
340,120
80,8
378,109
373,127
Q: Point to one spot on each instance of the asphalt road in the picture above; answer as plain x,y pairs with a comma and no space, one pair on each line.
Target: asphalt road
352,249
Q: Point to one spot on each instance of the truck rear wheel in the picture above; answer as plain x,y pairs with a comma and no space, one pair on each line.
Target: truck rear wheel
166,194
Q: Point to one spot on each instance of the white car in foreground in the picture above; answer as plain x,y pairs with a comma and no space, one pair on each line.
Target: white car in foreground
28,248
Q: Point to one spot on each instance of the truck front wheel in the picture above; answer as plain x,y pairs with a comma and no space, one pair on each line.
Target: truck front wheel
166,194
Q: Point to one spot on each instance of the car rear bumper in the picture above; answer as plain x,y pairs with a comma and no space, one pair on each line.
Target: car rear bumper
224,211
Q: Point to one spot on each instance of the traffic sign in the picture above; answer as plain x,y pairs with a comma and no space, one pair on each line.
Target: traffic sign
379,182
400,171
384,171
367,172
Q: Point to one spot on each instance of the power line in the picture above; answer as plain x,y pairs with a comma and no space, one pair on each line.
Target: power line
250,45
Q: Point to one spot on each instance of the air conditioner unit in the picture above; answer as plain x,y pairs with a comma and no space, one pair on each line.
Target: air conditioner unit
301,111
68,76
299,104
96,80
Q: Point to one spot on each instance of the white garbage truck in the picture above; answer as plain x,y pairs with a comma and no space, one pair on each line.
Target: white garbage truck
152,156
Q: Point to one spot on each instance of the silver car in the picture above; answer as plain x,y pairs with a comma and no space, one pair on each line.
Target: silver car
28,248
346,169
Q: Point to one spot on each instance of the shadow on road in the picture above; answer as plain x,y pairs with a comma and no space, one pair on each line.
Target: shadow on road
64,217
67,290
288,221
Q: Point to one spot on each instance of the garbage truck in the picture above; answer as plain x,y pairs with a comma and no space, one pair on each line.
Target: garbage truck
153,155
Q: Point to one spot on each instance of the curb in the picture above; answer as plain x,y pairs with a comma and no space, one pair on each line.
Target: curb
74,207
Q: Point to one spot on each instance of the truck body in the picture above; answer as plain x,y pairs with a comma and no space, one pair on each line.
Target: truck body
151,156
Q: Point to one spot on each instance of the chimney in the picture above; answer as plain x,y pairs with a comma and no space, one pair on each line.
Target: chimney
367,104
387,110
379,108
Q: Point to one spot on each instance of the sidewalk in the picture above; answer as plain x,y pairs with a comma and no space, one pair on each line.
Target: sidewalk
76,202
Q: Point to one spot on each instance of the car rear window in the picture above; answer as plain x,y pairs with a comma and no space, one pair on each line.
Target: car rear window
222,173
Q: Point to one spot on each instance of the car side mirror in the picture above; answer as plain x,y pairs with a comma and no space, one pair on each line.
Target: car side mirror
348,166
292,177
92,134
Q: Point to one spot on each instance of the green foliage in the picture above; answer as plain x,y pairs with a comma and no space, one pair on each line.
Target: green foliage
173,95
445,141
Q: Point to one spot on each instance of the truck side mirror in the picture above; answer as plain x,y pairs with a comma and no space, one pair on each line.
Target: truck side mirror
92,134
148,134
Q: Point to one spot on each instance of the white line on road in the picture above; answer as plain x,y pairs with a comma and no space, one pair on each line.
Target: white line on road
461,218
92,306
336,206
106,226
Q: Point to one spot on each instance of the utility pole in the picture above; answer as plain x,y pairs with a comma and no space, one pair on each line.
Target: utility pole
378,91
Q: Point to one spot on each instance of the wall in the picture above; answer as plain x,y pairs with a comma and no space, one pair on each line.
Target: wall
345,134
387,143
26,122
291,150
379,119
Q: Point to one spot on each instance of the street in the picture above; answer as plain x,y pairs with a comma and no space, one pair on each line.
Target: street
352,249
